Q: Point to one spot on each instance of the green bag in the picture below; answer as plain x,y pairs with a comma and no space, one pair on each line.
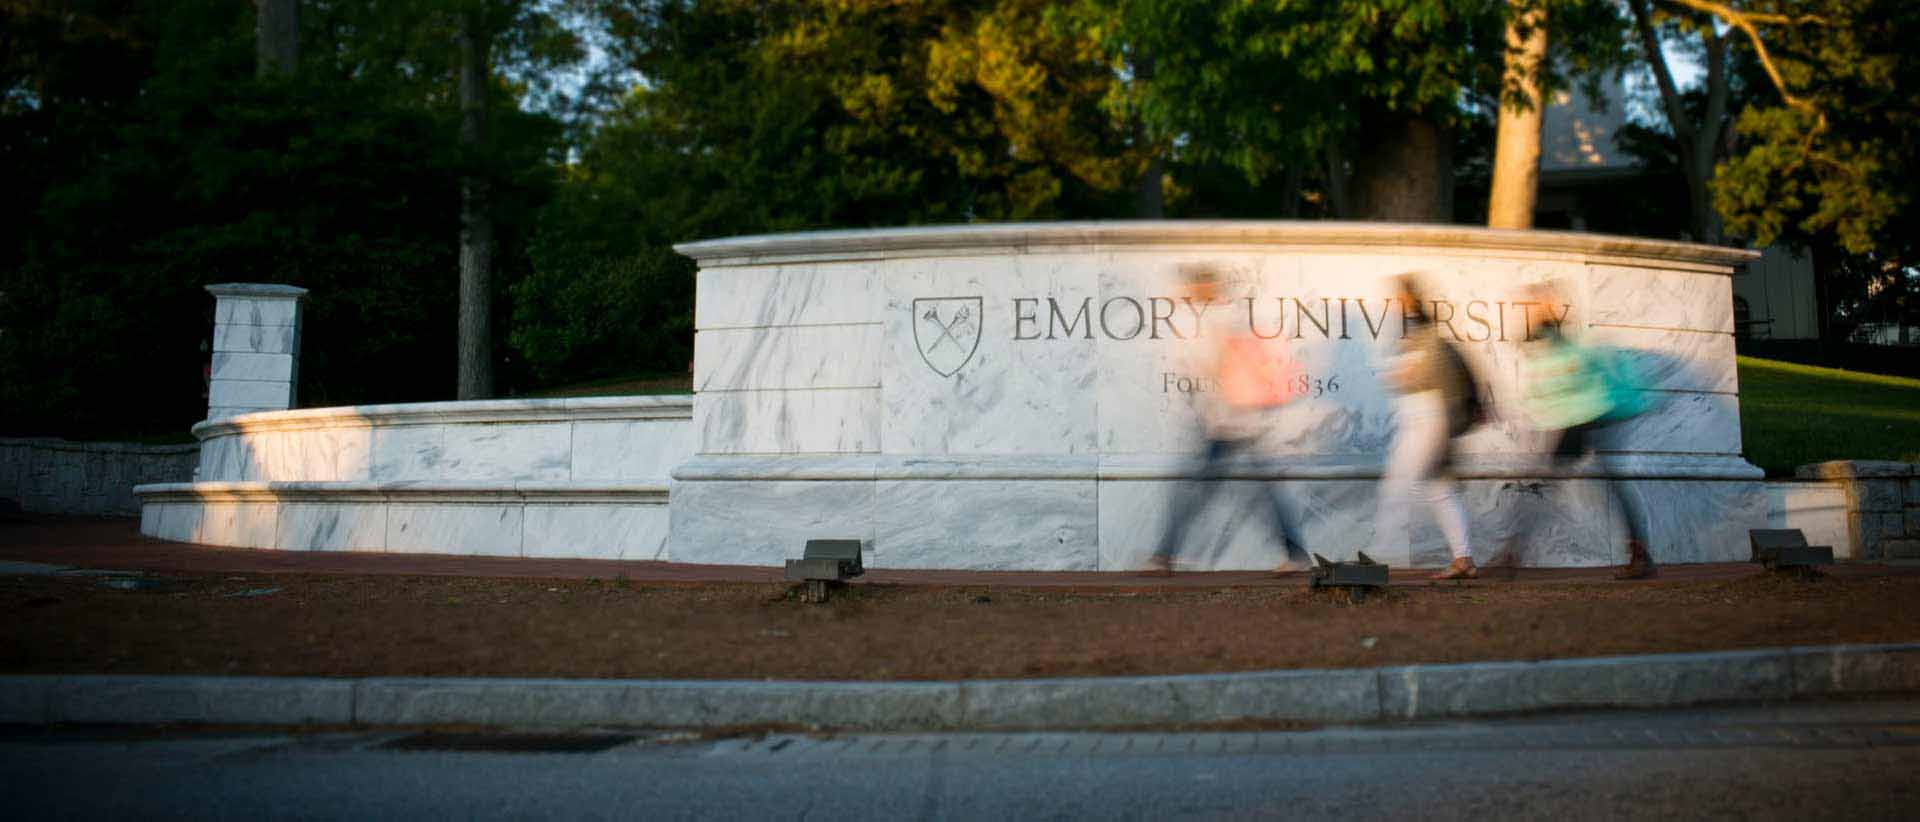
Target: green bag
1623,381
1570,384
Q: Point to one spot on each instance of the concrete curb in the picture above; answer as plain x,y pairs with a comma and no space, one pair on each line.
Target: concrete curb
1340,696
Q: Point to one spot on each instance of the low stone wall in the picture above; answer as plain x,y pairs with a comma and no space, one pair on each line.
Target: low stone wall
54,476
511,519
584,439
578,477
1883,505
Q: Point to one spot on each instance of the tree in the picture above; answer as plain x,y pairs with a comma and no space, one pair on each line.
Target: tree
1362,97
1826,155
899,111
1151,200
1040,78
440,51
475,343
1400,70
1700,135
277,37
146,161
1516,163
1832,155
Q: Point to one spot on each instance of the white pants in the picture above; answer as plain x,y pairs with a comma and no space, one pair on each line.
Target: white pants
1414,471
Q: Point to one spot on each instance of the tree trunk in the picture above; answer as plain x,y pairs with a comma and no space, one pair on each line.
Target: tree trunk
1516,147
1150,204
1402,173
476,224
1703,220
1290,192
276,37
1707,145
1339,182
1150,197
1698,144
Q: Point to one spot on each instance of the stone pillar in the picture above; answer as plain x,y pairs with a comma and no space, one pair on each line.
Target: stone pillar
256,348
1883,505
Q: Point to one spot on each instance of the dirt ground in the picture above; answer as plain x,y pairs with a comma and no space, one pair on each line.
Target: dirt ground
362,625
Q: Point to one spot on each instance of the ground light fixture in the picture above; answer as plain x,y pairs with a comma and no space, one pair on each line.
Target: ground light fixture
1786,550
826,564
1358,578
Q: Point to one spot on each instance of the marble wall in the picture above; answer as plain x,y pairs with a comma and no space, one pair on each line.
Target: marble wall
626,521
1023,397
256,348
586,477
593,439
831,368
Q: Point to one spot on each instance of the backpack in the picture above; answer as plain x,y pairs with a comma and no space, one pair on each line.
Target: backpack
1569,384
1475,409
1623,379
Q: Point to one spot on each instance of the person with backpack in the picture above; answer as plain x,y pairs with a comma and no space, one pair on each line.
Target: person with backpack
1579,394
1244,380
1439,400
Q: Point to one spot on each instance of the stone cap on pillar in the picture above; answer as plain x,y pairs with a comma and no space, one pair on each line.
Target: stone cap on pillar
258,291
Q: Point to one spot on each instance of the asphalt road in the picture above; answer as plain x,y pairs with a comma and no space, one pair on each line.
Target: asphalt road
1849,760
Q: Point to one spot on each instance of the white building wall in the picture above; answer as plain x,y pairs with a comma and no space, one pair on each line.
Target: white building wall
1780,296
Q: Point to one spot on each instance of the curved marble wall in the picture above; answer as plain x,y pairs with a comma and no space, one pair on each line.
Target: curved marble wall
564,477
1015,396
588,439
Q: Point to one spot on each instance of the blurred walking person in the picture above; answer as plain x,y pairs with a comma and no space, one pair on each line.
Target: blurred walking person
1439,400
1580,394
1244,379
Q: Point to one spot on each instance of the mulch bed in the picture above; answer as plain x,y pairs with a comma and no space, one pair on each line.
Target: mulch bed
288,624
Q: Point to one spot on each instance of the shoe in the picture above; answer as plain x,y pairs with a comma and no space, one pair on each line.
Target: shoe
1295,563
1639,563
1158,566
1507,559
1291,567
1461,568
1506,564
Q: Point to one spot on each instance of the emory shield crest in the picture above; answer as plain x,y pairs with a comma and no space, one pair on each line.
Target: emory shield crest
947,330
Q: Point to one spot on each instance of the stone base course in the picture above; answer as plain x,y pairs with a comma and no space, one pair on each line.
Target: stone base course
516,519
1336,696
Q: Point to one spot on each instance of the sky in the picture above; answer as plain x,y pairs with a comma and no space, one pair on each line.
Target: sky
1643,96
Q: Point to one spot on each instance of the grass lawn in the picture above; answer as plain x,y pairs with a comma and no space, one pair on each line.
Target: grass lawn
1791,415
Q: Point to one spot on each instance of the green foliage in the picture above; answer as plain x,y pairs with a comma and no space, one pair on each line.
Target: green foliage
1837,171
145,161
1269,89
609,317
777,116
340,178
